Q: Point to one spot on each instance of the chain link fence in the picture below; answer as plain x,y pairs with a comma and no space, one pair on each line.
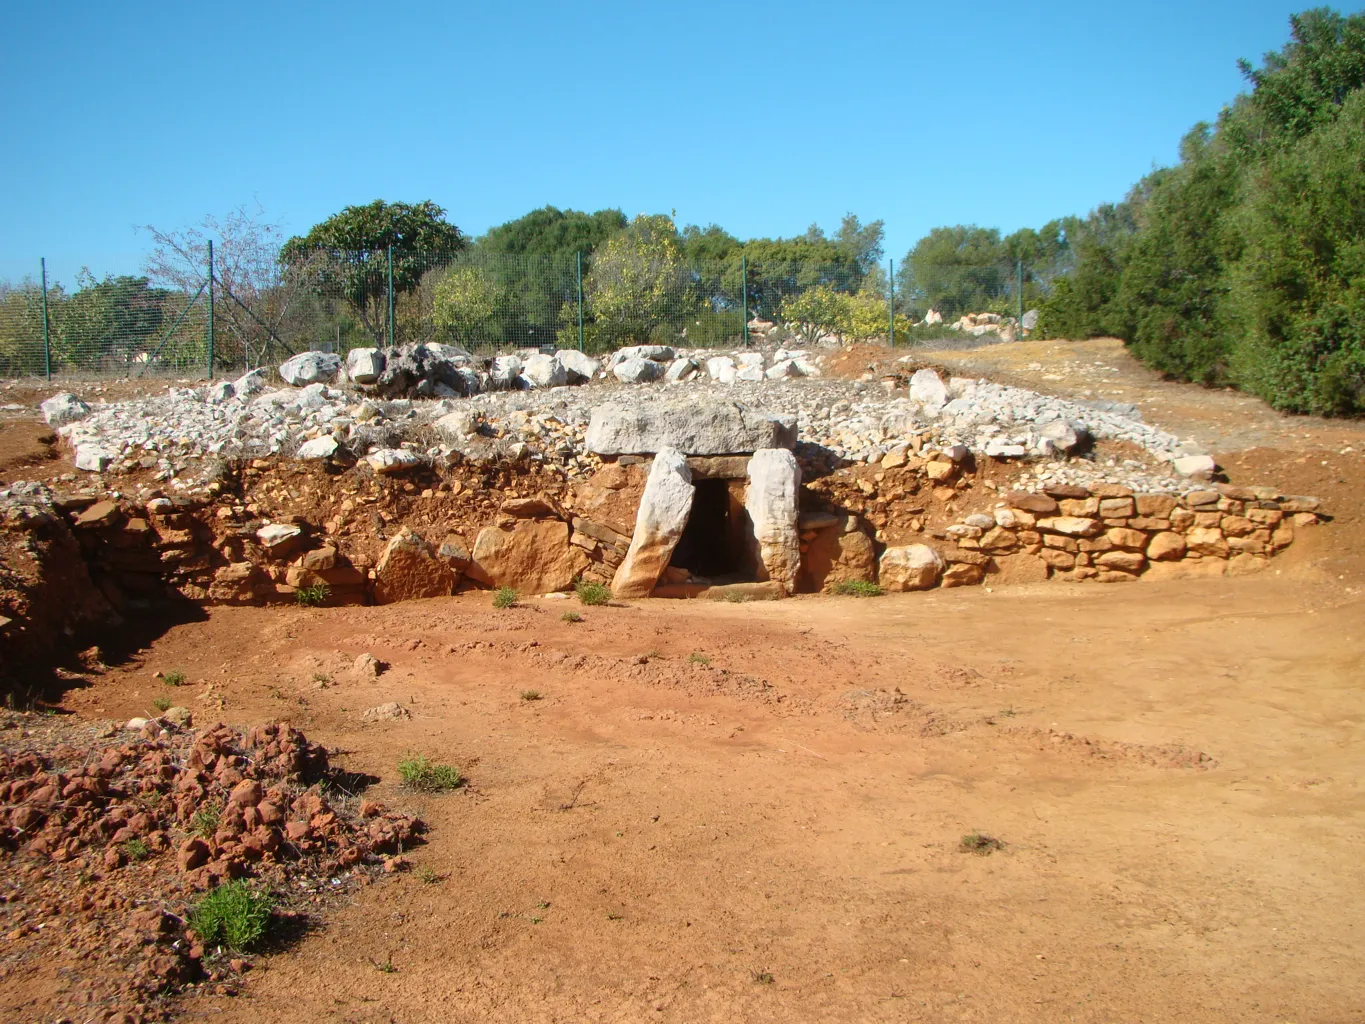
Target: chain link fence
228,321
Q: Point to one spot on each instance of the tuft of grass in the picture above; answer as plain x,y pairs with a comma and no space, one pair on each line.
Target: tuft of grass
162,703
385,966
427,875
856,588
204,822
697,658
137,849
175,677
419,772
980,844
571,616
504,597
232,915
531,695
736,597
593,593
762,977
311,597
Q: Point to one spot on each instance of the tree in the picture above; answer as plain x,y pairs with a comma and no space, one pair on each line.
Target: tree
553,232
347,254
466,307
956,270
259,301
639,281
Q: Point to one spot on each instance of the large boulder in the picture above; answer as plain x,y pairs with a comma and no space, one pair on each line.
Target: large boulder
532,557
544,372
364,365
692,427
580,367
505,372
836,555
410,568
664,508
927,388
771,502
64,408
253,382
655,353
910,567
428,371
310,368
638,371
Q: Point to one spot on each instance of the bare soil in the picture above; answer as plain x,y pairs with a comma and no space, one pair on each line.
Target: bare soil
757,812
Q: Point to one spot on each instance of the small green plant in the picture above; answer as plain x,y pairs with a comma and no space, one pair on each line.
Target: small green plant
856,588
232,915
162,703
763,977
386,966
654,652
204,822
980,844
736,597
427,875
593,593
174,677
311,597
615,917
504,597
420,773
571,616
137,849
697,658
531,695
322,677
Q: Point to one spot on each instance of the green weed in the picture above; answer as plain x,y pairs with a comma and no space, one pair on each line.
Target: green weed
593,593
504,597
232,915
174,677
420,773
311,597
856,588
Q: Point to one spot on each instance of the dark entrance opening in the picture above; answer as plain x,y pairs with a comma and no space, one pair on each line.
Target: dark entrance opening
712,545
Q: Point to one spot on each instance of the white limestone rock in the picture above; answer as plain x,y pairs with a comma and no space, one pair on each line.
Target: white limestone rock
310,368
364,365
62,409
664,508
771,502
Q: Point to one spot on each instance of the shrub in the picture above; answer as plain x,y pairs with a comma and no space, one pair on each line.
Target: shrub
531,695
311,597
420,773
696,658
980,844
162,703
856,588
504,597
137,849
174,677
593,593
204,822
232,915
571,617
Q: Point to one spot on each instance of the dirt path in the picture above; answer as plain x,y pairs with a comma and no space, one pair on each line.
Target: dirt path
761,821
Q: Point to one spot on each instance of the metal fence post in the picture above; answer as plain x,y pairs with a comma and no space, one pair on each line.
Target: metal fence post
891,302
390,296
1019,284
744,293
47,341
210,328
579,256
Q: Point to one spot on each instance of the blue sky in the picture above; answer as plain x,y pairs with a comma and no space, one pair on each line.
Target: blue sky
761,117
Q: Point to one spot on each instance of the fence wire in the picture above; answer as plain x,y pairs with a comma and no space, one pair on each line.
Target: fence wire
486,303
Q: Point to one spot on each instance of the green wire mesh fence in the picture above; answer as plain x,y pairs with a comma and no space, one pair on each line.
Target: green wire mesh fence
486,303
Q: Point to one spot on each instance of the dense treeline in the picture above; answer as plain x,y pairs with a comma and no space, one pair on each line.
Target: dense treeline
1245,263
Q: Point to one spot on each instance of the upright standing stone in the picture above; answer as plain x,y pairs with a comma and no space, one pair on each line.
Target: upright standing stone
774,480
664,508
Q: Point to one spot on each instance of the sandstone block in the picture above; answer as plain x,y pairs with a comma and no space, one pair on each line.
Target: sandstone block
1207,541
533,556
1158,506
1117,508
771,502
1071,526
692,427
1128,540
664,509
910,567
1166,547
963,575
409,569
1124,561
1038,504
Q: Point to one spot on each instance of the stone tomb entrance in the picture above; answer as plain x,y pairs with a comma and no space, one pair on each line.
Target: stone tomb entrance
734,521
713,544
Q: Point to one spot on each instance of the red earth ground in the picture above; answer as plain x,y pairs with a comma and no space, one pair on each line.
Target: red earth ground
755,812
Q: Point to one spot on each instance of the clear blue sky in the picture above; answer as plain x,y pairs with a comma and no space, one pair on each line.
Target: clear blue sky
761,117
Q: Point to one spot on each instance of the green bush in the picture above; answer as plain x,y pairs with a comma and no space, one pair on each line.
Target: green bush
309,597
232,915
593,593
856,588
505,597
420,773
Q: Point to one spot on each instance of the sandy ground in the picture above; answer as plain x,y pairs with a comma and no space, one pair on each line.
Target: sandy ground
753,812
